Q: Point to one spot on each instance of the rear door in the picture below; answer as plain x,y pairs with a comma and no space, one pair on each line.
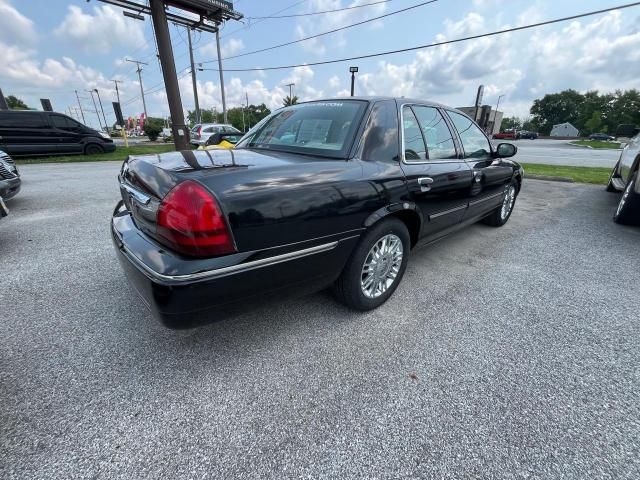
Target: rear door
68,132
489,175
437,178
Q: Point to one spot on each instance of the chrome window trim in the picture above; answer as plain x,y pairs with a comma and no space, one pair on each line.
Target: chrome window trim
423,162
233,269
137,194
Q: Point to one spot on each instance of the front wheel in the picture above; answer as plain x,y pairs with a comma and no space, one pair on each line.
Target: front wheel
628,211
93,149
500,216
376,266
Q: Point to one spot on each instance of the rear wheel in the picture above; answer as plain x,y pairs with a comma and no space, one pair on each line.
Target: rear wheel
376,266
93,149
628,211
500,216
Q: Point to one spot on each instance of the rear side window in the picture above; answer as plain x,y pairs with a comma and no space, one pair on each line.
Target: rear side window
436,133
24,120
414,148
380,137
474,142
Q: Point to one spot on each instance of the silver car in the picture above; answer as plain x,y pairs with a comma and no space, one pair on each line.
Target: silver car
624,178
9,177
201,132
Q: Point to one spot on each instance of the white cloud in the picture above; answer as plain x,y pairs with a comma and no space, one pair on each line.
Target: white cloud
312,25
228,48
15,27
101,31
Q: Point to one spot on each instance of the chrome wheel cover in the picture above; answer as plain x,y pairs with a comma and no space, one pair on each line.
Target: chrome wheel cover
623,200
507,203
382,265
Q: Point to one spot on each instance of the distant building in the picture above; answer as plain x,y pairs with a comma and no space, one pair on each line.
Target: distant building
564,130
489,119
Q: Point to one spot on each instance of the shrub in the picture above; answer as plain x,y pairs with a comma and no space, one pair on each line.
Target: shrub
153,128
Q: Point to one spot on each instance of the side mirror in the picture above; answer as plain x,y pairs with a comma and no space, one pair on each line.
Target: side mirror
506,150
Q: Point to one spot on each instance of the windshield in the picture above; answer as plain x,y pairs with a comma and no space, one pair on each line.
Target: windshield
317,128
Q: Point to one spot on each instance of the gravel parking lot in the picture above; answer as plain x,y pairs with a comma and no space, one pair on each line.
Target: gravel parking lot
505,353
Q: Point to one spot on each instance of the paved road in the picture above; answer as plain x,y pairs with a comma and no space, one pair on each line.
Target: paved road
559,152
524,345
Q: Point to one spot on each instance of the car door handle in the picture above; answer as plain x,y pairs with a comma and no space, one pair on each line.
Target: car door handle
425,183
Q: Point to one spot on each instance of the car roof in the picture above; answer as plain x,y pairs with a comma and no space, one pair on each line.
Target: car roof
376,98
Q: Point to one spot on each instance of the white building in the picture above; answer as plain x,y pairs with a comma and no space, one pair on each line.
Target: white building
564,130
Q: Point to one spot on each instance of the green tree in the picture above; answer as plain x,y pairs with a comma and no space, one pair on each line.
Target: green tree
290,100
556,108
153,127
594,124
511,122
16,104
207,116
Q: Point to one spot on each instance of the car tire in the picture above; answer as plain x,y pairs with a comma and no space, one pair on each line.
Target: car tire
376,266
501,215
628,211
93,149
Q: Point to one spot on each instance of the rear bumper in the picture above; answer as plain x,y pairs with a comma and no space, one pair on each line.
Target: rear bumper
184,293
9,188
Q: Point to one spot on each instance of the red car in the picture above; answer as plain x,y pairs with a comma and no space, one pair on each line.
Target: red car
506,135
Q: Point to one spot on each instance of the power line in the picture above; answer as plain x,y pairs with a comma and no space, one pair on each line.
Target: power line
258,21
437,44
321,12
327,32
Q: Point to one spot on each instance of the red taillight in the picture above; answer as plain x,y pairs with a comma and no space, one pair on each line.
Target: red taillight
191,222
199,132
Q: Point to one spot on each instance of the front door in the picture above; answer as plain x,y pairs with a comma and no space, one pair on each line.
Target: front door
68,133
490,175
437,179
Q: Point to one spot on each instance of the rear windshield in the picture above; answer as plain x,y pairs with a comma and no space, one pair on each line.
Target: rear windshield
315,128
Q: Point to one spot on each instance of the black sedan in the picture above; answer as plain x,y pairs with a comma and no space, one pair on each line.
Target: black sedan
326,193
601,137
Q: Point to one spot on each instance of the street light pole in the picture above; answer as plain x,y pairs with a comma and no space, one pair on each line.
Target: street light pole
495,115
353,71
80,105
290,85
96,108
103,116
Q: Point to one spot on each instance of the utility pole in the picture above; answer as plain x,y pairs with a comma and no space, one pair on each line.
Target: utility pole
224,101
103,117
96,108
117,91
138,63
161,29
80,105
246,96
193,77
290,85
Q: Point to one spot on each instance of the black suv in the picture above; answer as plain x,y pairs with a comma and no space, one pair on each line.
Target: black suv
48,133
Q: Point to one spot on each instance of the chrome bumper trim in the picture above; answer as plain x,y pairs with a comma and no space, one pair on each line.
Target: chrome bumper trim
233,269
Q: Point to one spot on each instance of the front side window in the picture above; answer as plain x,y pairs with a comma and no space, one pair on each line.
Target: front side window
414,148
436,133
64,123
314,128
474,141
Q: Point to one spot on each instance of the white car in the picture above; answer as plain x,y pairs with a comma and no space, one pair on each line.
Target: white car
201,132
